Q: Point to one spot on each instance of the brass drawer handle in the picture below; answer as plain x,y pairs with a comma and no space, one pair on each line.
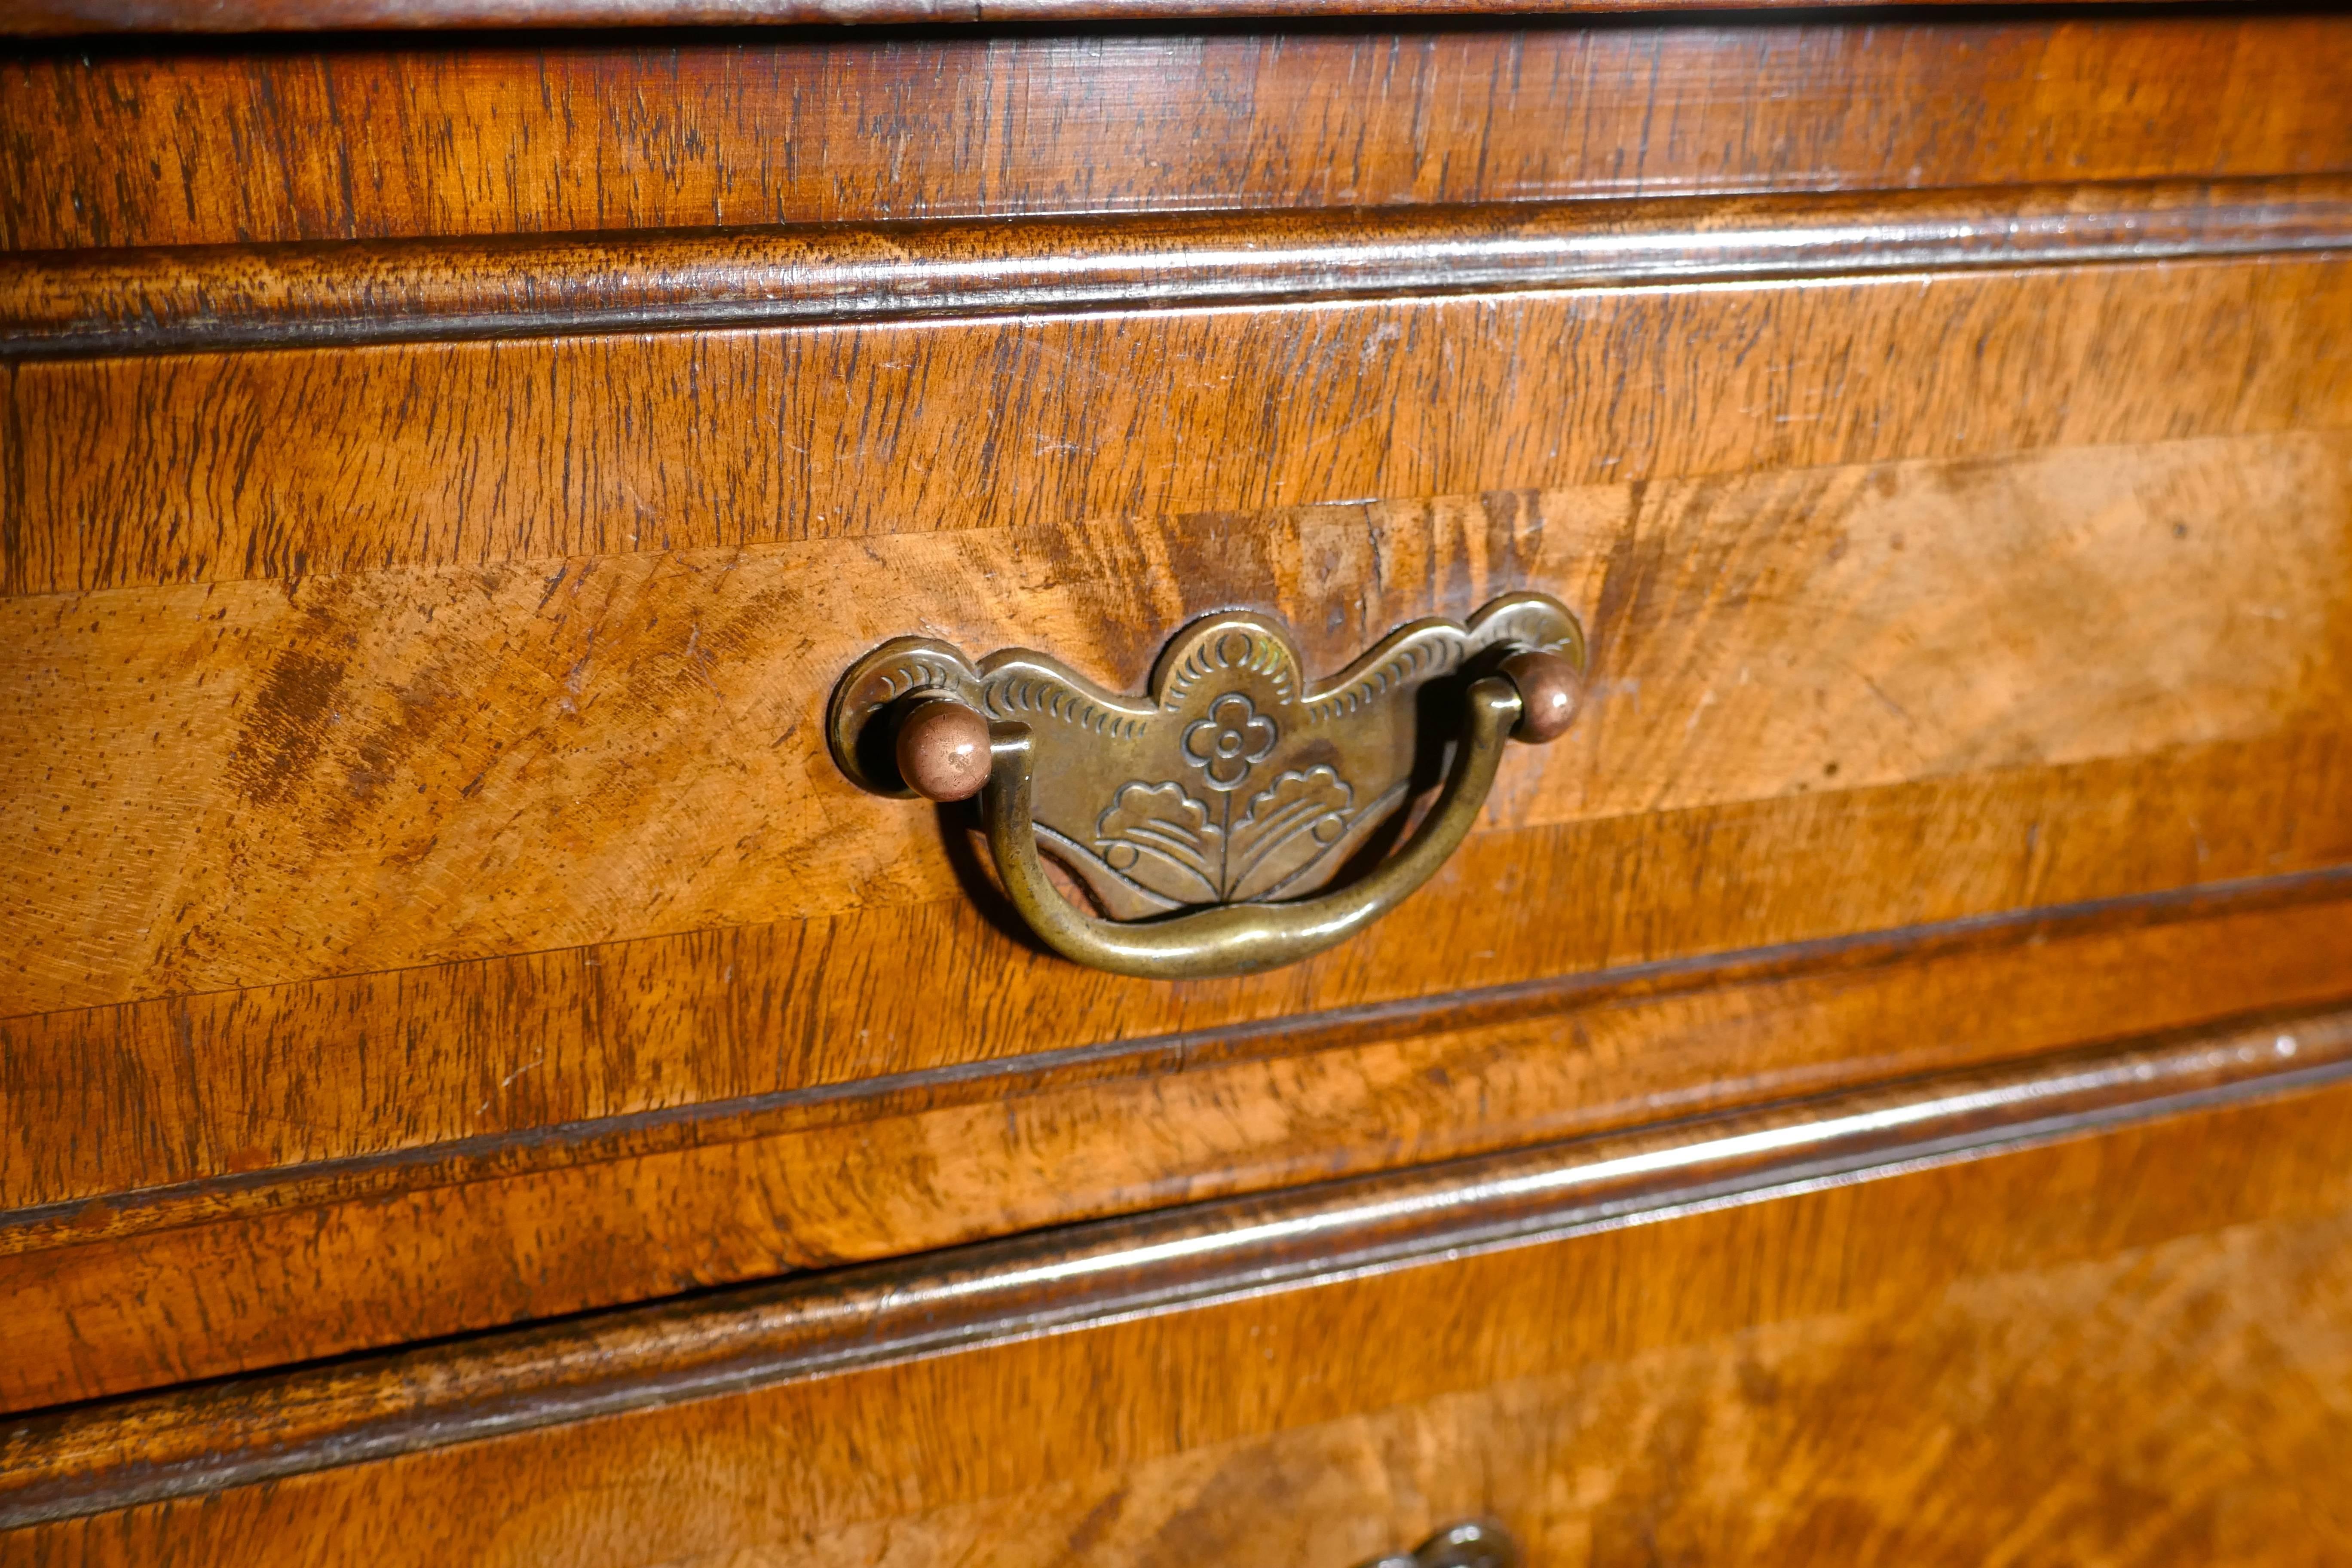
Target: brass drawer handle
1472,1543
1198,819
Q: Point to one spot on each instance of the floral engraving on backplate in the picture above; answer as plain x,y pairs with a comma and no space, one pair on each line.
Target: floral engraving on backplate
1165,837
1235,779
1159,833
1231,739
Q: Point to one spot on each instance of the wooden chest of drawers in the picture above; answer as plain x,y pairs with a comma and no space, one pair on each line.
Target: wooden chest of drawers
489,1072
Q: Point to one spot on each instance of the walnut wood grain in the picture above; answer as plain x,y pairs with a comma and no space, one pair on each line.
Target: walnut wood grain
1845,1364
2176,1401
389,291
292,1264
246,466
260,143
247,785
429,909
195,1086
39,18
603,1396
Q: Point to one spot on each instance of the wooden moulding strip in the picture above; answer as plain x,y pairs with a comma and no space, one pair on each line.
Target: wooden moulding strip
281,296
100,1457
714,1123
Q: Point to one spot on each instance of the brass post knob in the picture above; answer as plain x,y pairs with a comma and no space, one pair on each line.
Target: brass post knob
1207,816
1548,687
942,749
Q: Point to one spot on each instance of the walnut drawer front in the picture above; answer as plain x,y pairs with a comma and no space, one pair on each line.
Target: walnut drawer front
1809,1355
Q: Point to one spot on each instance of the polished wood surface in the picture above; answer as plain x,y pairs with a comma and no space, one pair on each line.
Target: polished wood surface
242,1080
310,1261
120,146
49,17
2062,1330
332,793
447,991
193,1442
2218,762
1116,429
305,774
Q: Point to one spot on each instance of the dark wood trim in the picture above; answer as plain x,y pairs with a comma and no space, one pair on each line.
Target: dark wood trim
121,1453
35,19
109,303
712,1123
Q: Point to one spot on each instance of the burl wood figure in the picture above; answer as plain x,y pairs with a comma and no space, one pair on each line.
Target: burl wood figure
1129,783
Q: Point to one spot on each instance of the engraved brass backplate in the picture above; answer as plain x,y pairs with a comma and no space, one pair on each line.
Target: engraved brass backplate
1236,780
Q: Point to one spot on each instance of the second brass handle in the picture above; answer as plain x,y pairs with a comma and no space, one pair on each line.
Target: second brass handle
1472,1543
1208,816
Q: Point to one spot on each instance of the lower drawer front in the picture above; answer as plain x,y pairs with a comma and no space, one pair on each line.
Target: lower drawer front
2132,1346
